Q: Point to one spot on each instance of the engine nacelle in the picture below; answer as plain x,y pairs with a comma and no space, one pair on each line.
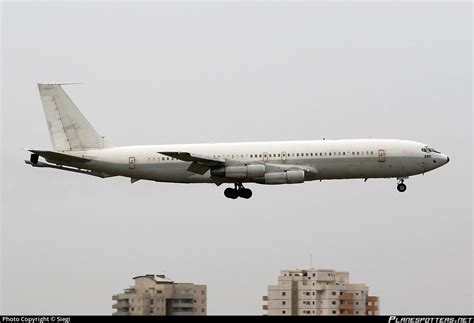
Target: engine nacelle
249,171
288,177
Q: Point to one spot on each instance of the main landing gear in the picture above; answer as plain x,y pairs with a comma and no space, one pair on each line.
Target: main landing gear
401,187
238,191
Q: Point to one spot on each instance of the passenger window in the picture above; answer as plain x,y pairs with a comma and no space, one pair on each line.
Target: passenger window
306,154
357,153
353,153
329,154
311,154
343,153
297,155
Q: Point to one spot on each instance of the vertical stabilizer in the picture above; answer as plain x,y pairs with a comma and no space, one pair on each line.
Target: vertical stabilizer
68,128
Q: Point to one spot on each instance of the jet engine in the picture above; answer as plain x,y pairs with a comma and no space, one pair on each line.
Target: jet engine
249,171
288,177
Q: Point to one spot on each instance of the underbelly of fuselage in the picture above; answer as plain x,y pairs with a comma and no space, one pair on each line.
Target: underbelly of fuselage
336,169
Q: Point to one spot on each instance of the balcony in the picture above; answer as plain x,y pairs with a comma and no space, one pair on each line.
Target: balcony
183,296
372,298
265,307
346,306
347,312
265,298
372,308
346,297
121,304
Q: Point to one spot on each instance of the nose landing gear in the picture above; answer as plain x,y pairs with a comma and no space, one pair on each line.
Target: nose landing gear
401,187
238,191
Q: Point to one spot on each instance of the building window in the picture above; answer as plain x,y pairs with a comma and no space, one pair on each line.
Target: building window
333,302
283,303
334,293
283,293
333,312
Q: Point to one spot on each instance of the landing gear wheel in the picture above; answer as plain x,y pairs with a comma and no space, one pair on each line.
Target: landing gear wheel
245,193
231,193
401,187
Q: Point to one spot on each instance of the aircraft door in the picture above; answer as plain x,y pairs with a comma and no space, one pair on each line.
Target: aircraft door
381,155
131,162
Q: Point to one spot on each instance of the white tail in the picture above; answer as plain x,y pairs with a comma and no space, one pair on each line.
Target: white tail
68,128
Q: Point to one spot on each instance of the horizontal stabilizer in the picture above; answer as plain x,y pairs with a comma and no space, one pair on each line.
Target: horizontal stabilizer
68,169
58,157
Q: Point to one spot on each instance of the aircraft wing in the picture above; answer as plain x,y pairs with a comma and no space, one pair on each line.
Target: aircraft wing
200,163
53,155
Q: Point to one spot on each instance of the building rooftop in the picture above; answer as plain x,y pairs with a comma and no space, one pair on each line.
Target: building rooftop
159,279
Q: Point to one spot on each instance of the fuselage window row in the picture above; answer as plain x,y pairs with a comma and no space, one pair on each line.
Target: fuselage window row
287,155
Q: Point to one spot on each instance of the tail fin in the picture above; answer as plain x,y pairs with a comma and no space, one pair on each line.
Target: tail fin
68,128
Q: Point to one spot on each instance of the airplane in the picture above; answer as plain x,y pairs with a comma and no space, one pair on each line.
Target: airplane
77,147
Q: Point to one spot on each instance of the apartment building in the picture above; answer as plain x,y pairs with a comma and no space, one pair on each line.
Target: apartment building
157,295
318,292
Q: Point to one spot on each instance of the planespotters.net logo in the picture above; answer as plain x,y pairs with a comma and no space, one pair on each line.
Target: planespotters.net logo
428,319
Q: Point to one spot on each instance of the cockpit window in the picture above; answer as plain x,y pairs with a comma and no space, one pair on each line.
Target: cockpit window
428,149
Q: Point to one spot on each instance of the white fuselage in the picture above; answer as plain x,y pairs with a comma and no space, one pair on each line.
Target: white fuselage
320,159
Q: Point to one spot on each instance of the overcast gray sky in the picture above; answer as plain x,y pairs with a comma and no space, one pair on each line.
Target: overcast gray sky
163,73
